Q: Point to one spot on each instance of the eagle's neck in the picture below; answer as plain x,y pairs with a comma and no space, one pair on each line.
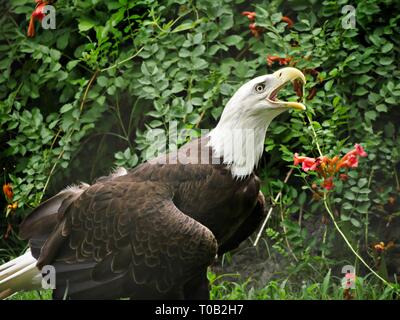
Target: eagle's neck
239,138
240,148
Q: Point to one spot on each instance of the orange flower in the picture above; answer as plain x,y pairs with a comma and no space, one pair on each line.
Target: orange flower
249,14
255,30
8,191
288,21
327,168
284,61
359,150
328,183
281,61
350,159
37,14
380,247
13,206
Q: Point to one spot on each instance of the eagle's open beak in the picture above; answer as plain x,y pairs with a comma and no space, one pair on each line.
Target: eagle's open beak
283,76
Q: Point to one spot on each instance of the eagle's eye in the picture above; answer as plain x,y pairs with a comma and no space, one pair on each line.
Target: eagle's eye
260,88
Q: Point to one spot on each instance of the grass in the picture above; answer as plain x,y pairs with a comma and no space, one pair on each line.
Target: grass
32,295
329,289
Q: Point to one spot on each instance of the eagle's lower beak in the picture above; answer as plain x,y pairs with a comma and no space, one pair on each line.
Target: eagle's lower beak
283,76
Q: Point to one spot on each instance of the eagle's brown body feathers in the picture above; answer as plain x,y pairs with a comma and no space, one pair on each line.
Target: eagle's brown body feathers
150,233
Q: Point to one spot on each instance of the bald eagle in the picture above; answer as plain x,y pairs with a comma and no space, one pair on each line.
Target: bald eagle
152,232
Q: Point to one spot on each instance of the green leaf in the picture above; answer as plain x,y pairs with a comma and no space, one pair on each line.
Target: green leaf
66,107
347,206
302,198
385,61
387,47
72,64
355,222
362,182
349,196
234,40
86,24
62,41
304,25
328,85
184,26
381,108
198,51
102,81
371,115
360,91
197,38
325,285
363,208
199,63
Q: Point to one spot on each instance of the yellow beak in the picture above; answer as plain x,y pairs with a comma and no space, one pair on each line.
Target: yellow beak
285,75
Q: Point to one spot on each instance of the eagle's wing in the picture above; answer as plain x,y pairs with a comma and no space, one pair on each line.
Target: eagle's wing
124,237
247,228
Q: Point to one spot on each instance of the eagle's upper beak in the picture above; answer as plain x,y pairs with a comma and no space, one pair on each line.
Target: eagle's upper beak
282,77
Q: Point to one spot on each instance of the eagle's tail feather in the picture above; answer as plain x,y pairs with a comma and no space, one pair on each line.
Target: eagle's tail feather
19,274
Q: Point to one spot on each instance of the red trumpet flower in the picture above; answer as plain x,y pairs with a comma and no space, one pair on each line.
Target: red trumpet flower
288,21
327,168
8,191
37,14
255,30
328,183
281,61
249,14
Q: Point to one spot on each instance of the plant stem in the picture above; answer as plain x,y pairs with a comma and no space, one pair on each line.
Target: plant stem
367,212
123,61
314,135
87,89
286,238
324,241
270,209
328,209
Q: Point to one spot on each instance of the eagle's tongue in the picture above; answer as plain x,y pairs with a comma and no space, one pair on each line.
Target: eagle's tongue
298,88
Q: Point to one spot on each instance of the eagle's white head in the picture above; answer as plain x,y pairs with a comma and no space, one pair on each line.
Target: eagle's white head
239,136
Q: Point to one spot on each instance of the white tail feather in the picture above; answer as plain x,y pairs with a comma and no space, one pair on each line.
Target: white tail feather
19,274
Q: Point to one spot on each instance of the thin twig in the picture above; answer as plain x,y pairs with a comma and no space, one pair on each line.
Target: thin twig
396,176
367,212
286,238
324,241
271,208
123,61
314,136
200,119
87,89
300,216
69,134
50,175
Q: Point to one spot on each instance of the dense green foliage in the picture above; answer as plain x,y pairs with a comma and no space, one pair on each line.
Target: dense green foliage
84,97
328,289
